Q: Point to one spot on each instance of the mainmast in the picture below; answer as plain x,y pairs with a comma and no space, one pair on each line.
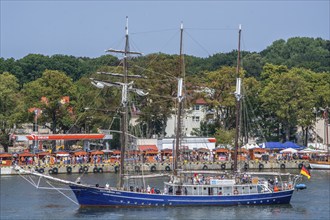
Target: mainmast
238,98
180,106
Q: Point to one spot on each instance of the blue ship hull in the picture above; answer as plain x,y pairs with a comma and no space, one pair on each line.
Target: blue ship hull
90,196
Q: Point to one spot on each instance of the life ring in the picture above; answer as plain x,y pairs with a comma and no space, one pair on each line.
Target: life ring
69,169
261,166
50,171
282,166
168,168
41,170
116,169
137,168
153,169
235,192
246,166
55,170
86,169
300,165
81,170
100,170
95,170
205,167
290,186
223,166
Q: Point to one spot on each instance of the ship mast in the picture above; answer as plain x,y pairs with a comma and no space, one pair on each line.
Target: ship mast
126,87
180,98
238,98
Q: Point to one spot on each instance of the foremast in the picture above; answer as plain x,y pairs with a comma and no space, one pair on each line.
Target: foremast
125,86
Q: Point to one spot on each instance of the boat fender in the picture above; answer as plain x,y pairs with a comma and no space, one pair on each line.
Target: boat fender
300,186
81,170
205,167
168,168
153,169
55,170
246,166
116,169
282,166
223,166
261,166
95,170
69,169
300,165
41,170
50,171
100,170
137,169
86,169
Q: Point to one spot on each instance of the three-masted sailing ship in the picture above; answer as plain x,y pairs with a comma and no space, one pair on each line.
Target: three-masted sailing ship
185,188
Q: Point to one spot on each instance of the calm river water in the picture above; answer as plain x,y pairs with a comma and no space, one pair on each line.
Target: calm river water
20,200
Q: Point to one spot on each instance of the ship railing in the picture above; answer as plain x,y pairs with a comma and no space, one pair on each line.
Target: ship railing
213,190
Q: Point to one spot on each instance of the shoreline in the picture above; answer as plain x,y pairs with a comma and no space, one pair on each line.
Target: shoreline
157,166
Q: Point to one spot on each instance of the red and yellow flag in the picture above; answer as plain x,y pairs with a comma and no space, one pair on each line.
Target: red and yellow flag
305,172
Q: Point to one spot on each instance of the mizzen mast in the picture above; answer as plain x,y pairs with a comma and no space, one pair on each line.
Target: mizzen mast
238,97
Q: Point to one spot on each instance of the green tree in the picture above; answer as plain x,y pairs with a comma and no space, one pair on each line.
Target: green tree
222,85
309,53
161,84
225,137
289,98
47,93
9,107
32,65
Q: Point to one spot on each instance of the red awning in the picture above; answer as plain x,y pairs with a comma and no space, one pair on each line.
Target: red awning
221,150
25,154
116,152
97,152
212,140
6,155
43,153
80,153
148,148
65,137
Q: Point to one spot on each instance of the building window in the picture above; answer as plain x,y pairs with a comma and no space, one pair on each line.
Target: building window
196,107
195,118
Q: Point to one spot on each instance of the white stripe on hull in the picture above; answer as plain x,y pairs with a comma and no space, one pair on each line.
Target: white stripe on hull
320,166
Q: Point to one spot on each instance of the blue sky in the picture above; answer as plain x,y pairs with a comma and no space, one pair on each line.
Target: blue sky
88,28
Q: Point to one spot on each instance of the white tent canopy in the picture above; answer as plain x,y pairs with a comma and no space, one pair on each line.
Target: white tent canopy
250,146
317,146
309,150
289,150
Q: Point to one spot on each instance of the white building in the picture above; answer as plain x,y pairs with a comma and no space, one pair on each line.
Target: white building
192,119
192,143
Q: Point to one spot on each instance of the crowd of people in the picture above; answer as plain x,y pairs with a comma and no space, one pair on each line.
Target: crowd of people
54,159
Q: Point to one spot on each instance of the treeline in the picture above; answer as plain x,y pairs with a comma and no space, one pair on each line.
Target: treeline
308,53
285,86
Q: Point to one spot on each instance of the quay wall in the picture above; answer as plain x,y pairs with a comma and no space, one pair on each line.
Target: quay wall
159,167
